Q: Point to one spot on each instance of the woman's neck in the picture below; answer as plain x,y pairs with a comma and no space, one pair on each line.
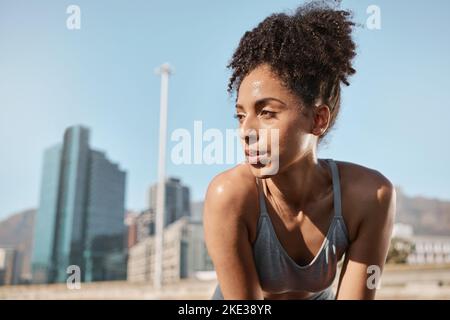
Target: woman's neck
305,181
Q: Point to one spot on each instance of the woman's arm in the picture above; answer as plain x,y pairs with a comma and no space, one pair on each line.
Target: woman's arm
365,258
227,239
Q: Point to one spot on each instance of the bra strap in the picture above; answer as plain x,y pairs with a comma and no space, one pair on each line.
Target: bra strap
336,187
262,202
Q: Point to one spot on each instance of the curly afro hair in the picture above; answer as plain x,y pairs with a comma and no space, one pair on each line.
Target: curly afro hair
311,51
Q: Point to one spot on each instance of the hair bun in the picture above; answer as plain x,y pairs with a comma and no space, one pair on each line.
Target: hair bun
330,31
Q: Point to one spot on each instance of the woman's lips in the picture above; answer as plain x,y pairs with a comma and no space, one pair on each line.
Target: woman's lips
257,158
253,152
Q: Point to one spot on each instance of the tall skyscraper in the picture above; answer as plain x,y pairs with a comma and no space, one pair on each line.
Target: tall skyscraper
80,220
177,202
43,266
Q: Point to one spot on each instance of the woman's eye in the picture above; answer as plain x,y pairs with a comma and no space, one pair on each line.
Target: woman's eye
239,116
268,114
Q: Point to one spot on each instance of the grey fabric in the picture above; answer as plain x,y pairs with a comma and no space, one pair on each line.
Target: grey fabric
279,273
326,294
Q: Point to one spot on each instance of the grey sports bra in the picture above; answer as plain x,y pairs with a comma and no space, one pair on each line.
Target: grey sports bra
279,273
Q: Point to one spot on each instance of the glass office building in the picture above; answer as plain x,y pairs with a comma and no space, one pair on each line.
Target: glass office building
80,220
43,267
177,200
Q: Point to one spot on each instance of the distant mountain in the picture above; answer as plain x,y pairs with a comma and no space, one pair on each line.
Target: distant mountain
427,216
17,231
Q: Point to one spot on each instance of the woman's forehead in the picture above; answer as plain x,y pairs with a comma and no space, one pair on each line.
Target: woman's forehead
260,83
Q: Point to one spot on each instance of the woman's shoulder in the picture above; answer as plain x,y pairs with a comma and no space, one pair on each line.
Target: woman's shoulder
366,194
363,182
233,190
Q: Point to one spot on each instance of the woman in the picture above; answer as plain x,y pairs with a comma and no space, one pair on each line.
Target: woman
277,225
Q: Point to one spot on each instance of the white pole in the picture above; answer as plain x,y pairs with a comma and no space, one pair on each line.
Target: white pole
164,71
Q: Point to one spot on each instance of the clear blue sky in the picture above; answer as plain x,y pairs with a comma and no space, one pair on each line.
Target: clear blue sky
394,118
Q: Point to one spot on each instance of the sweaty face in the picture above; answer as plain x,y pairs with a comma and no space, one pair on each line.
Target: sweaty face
275,127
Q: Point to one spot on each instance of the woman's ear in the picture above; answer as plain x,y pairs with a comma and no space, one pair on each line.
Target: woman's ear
321,119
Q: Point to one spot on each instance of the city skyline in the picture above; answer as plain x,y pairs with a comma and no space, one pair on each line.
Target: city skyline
102,76
80,219
81,206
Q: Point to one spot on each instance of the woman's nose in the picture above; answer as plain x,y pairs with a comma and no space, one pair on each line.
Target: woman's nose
249,130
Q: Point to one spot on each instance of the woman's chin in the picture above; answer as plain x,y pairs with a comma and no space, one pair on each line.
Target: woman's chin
261,170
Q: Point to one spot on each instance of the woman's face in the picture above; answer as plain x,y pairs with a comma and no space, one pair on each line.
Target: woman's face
273,123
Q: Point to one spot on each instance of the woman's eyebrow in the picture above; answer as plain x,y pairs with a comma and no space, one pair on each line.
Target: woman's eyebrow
261,102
